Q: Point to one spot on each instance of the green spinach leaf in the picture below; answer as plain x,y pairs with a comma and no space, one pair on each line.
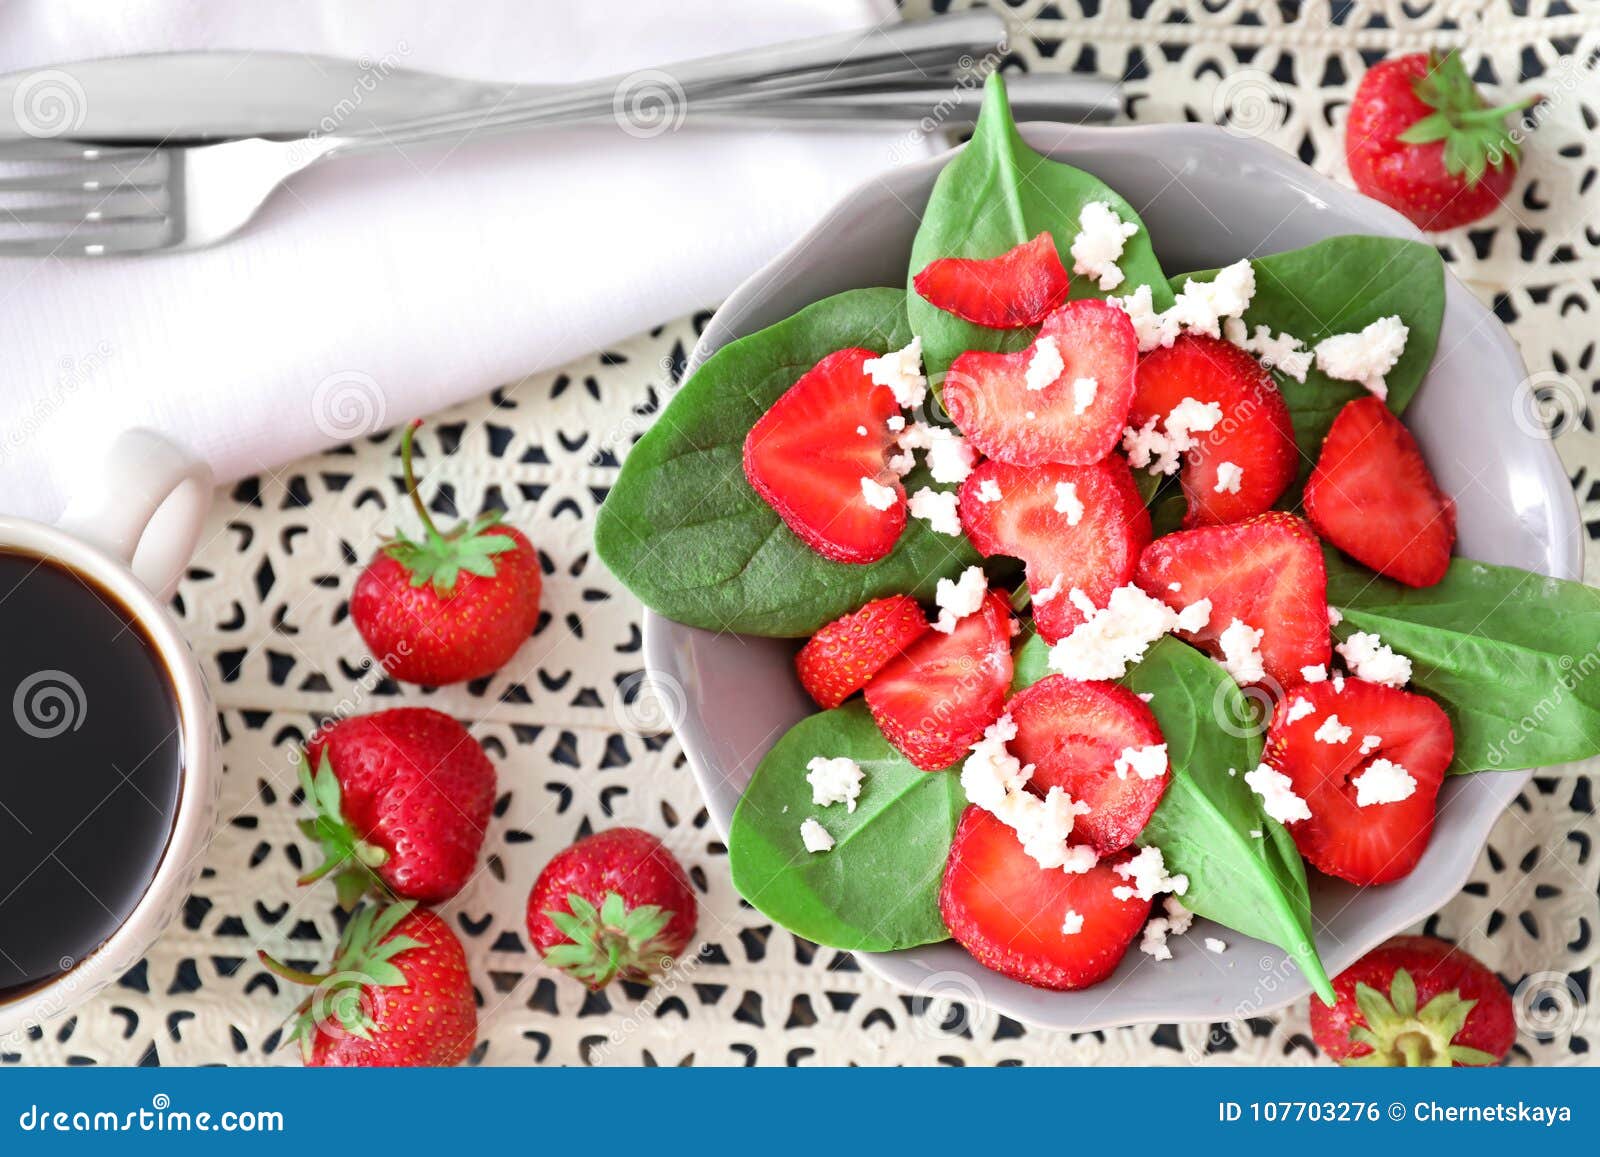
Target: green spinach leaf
878,889
686,533
1256,885
1513,657
1338,286
994,195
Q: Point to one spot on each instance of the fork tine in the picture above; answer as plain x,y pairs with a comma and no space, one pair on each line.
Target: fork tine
28,149
123,240
111,211
109,182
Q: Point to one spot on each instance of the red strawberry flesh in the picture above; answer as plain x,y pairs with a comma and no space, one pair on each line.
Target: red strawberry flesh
1254,433
1018,288
1267,573
1006,910
987,394
1073,733
1373,496
934,701
843,656
1096,554
1380,842
807,456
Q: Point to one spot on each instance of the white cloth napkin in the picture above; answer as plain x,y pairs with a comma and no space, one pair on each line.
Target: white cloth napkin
380,288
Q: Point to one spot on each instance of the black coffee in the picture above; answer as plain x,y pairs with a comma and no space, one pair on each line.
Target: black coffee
91,760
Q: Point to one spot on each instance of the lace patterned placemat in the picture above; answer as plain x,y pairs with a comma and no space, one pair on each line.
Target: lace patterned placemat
578,747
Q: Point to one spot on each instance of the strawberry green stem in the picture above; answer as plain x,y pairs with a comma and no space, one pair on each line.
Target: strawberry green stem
292,975
411,481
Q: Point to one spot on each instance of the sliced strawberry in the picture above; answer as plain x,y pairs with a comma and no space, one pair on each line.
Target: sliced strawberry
1096,554
1007,911
807,456
1266,572
1373,497
934,701
1382,841
844,655
1073,733
987,394
1254,433
1011,291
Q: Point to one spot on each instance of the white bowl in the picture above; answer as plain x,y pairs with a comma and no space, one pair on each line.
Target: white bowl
1208,198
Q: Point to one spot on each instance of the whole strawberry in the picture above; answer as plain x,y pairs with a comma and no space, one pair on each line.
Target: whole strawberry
402,800
614,905
1422,139
397,994
1413,1002
452,607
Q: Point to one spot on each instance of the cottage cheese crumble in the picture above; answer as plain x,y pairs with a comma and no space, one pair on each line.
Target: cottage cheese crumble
956,600
1333,732
878,496
1045,366
834,781
1364,357
901,371
1111,639
1145,762
1097,248
1241,657
1367,657
815,837
1229,478
1282,351
1277,794
938,509
1068,503
1383,782
1147,876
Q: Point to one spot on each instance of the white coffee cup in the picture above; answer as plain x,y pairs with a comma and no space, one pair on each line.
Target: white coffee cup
133,532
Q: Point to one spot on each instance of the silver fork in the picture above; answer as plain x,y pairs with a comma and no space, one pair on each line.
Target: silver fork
78,198
121,195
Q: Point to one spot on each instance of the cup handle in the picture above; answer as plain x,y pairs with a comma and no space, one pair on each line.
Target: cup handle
147,508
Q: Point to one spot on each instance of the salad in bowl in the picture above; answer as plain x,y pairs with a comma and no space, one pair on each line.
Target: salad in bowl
1128,609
